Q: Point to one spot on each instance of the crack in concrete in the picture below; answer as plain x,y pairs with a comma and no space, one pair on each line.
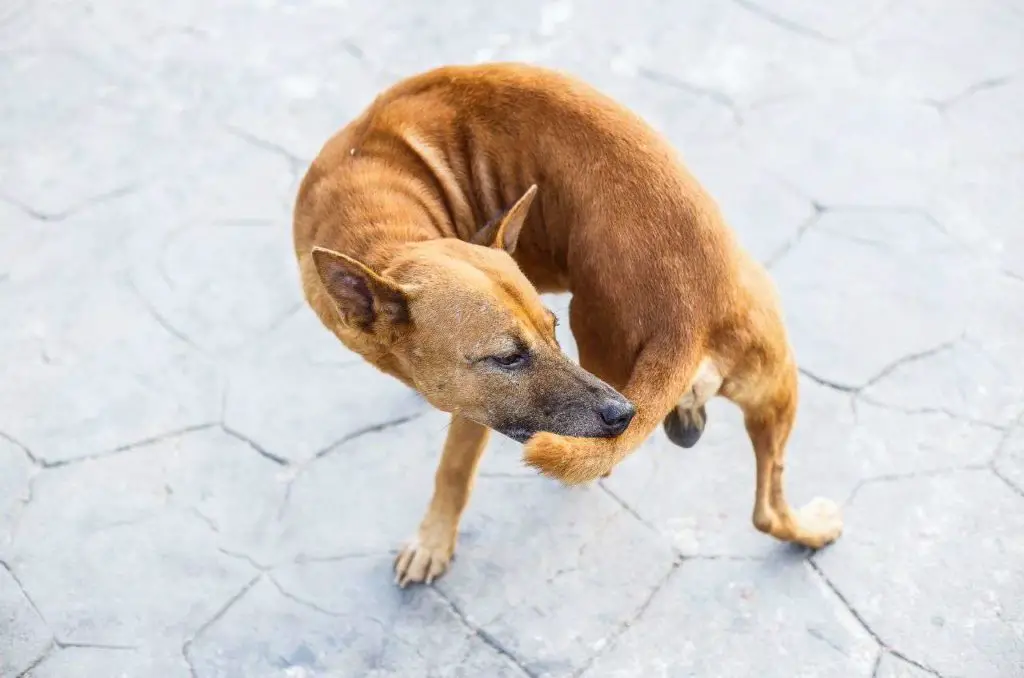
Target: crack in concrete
160,319
905,210
33,459
627,508
186,647
483,635
821,209
266,454
885,371
367,430
308,603
301,467
377,660
205,519
303,559
784,23
818,635
1009,483
260,567
61,463
24,592
878,663
944,105
37,662
797,238
1012,275
613,637
53,217
885,647
1008,433
586,543
23,505
14,9
126,522
828,383
36,467
727,557
868,400
94,646
710,94
224,400
280,320
359,54
295,163
675,549
911,475
911,358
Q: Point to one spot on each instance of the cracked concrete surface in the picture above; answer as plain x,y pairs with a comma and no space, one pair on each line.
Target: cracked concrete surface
196,481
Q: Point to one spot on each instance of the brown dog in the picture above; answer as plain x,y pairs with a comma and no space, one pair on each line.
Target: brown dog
426,227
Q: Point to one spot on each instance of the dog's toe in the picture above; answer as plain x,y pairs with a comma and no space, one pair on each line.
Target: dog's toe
417,562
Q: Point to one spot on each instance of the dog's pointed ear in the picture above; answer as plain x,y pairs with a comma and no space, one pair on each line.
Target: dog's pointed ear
504,233
362,296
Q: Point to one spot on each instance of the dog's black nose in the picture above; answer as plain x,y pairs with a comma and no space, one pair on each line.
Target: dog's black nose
616,415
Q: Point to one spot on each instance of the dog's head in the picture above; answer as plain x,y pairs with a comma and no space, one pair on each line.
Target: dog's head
462,323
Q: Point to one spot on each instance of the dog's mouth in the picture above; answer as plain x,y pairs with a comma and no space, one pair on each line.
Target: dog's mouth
520,434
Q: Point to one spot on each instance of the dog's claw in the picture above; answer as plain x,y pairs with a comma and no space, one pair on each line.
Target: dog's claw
418,563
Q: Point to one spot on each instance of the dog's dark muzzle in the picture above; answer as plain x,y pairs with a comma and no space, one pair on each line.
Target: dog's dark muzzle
607,418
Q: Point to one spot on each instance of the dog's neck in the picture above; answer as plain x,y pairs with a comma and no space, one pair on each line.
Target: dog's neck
374,222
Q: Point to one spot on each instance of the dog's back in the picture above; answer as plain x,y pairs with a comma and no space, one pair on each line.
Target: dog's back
617,214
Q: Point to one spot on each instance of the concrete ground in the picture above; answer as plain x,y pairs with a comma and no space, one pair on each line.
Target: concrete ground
196,480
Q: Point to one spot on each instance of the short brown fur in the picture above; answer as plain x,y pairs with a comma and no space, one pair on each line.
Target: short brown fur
431,244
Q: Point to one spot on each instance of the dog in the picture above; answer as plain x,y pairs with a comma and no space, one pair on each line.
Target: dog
427,228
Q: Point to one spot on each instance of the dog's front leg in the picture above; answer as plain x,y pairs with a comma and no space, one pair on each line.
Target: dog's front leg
426,557
658,377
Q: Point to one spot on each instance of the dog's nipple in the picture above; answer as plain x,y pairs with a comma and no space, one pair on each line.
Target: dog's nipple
352,152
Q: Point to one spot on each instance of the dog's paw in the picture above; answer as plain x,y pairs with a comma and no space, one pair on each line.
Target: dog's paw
685,427
821,518
423,560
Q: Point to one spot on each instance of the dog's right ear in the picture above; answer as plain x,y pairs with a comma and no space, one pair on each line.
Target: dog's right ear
361,296
503,233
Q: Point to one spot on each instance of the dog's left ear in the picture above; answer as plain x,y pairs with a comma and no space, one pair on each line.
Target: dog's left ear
362,296
504,233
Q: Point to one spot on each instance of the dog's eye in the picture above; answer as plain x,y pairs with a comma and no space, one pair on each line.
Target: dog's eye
509,361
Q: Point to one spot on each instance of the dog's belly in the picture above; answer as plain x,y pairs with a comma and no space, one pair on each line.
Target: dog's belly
705,385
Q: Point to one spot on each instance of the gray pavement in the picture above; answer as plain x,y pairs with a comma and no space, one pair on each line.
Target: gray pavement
196,480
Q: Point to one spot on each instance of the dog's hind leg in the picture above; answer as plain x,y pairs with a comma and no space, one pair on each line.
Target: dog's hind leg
426,557
769,410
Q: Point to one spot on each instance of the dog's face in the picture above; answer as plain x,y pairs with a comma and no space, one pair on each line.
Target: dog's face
468,329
